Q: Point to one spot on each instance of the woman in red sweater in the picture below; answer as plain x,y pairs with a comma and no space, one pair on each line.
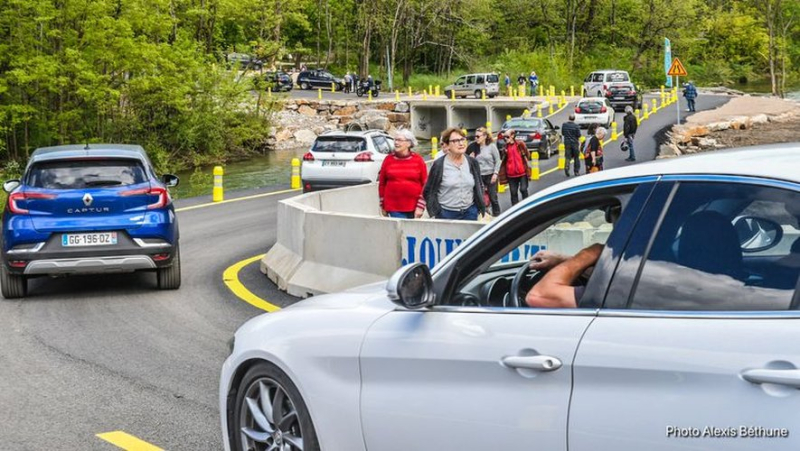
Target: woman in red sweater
402,177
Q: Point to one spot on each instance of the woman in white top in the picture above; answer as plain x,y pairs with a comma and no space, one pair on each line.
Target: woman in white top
489,160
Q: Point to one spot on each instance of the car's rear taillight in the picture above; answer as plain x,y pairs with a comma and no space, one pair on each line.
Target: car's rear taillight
308,156
364,157
603,109
15,197
631,93
577,110
536,135
162,193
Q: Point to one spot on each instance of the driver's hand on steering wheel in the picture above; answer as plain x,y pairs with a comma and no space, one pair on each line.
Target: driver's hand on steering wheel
545,260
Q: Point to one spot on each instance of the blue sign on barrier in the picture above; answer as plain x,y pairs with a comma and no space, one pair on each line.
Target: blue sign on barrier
432,250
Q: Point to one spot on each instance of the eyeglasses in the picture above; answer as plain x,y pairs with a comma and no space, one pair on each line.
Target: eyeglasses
401,139
458,141
478,135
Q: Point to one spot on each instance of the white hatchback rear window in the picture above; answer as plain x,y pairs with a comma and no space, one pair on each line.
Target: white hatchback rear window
334,144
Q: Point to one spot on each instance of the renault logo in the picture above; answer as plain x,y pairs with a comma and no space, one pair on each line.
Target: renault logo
87,199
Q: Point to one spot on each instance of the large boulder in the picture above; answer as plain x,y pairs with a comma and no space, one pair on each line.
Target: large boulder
401,107
305,136
346,111
284,135
307,111
377,122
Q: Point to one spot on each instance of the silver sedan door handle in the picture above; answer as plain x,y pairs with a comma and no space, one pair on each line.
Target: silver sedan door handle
789,378
534,362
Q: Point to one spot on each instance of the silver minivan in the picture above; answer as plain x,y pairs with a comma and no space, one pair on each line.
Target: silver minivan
598,82
473,85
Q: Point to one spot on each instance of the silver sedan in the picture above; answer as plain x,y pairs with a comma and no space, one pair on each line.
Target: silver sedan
682,335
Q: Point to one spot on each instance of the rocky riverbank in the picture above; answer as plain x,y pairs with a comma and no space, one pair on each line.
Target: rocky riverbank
302,120
744,121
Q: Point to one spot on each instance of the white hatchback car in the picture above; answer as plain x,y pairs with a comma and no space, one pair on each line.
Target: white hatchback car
345,158
594,110
684,337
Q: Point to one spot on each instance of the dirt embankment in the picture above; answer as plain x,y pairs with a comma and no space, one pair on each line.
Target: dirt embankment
744,121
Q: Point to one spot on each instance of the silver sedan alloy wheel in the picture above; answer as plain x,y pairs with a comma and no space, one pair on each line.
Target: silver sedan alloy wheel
269,418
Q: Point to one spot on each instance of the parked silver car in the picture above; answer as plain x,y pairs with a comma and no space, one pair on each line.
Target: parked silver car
473,85
685,336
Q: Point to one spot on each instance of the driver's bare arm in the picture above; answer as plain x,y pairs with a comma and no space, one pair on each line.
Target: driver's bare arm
555,290
545,260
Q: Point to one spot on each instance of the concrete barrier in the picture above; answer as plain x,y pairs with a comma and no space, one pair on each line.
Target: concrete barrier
334,240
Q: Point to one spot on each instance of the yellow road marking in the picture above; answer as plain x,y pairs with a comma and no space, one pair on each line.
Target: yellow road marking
254,196
127,442
231,279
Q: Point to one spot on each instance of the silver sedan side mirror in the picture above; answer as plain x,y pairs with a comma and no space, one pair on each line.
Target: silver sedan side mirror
412,287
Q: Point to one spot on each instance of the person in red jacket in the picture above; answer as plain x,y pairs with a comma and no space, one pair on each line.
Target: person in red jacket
514,169
402,177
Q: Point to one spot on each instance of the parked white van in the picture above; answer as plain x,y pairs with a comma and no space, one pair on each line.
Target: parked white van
473,84
598,82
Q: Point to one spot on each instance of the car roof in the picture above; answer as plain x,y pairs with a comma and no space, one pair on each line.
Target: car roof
775,161
361,134
592,99
609,70
88,150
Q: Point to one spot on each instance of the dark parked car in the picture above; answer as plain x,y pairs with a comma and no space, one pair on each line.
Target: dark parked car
624,95
244,61
537,134
278,81
312,79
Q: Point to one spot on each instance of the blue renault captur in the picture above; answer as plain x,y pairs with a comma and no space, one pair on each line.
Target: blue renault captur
89,209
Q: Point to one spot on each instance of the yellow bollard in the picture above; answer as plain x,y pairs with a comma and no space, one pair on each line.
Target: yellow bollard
464,130
655,106
396,95
508,117
562,160
572,91
541,91
434,147
551,108
580,154
333,86
534,165
489,127
437,90
539,110
526,113
452,94
614,134
430,89
483,94
510,91
295,173
583,91
638,117
424,95
501,188
646,114
552,90
319,94
217,195
369,95
409,91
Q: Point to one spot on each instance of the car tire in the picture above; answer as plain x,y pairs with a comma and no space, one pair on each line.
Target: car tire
13,286
477,93
305,86
169,278
266,381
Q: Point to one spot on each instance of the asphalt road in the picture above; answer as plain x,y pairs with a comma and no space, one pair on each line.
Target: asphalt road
90,355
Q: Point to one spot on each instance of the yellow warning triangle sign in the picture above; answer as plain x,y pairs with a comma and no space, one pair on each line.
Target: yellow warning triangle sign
677,68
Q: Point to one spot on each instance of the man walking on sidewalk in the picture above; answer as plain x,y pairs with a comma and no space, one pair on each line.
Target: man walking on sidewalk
572,136
629,131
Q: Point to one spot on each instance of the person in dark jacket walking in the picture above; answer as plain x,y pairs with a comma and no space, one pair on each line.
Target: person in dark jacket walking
454,189
690,92
572,142
629,128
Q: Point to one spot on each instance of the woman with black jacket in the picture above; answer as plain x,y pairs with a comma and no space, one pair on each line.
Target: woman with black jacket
454,189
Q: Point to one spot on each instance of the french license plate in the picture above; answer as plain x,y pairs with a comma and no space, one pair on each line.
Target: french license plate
590,117
619,98
333,163
89,239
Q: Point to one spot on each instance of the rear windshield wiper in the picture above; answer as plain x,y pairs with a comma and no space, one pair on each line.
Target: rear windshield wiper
103,182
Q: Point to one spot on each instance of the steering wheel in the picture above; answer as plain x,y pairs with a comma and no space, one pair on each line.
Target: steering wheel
524,273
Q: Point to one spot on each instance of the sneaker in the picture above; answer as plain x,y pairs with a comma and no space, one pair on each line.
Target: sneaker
630,159
566,173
